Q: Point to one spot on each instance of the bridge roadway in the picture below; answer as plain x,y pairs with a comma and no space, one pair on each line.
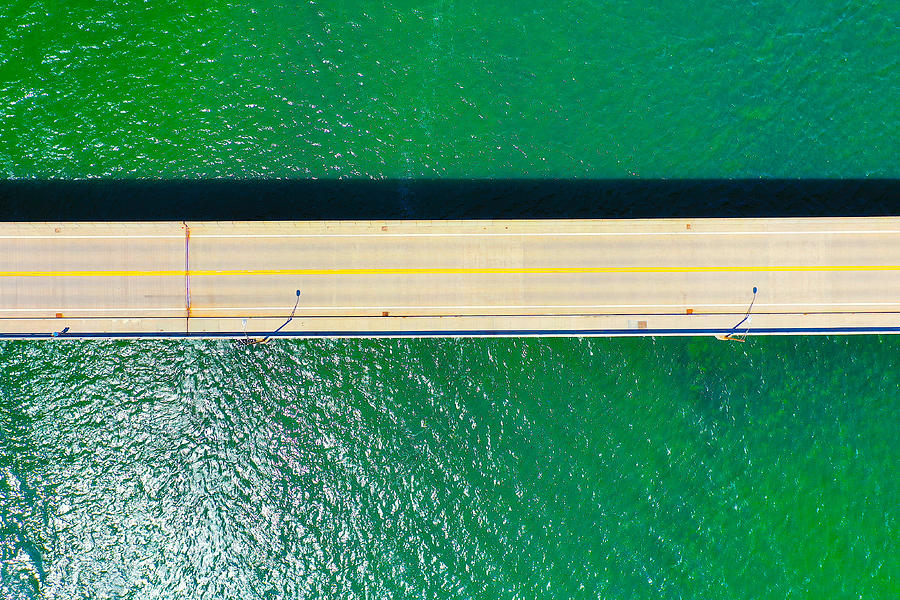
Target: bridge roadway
374,278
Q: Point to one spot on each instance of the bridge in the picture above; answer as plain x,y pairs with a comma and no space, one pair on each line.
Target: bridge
451,278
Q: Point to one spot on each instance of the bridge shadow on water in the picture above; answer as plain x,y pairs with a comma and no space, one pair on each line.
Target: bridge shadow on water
292,199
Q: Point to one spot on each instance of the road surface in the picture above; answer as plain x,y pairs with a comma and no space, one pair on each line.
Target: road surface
398,278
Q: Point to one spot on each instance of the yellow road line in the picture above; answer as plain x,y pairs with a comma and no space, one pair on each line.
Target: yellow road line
453,271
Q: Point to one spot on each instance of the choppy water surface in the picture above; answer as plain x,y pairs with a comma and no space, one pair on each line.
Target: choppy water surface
442,88
497,468
492,468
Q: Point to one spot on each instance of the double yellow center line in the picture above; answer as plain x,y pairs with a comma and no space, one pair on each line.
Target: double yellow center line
451,271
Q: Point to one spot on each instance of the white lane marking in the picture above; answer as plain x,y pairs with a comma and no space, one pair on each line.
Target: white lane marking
468,307
457,234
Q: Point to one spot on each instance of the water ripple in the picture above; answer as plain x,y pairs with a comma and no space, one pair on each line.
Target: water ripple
448,468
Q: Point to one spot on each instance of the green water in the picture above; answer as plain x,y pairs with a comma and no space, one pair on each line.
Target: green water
492,468
452,89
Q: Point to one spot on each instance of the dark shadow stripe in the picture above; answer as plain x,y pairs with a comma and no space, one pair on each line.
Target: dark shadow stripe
149,200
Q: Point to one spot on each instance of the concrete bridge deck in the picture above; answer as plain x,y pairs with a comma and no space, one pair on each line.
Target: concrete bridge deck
548,277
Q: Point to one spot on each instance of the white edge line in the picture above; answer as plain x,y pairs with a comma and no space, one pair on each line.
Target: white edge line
467,307
451,234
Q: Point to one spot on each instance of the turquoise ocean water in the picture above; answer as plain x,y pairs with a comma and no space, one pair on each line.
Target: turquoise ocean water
490,468
444,88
